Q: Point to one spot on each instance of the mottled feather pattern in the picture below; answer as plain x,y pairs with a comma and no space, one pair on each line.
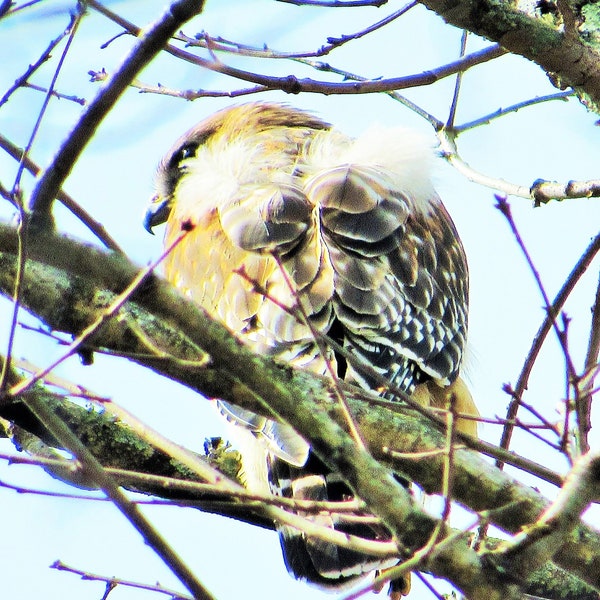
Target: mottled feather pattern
350,230
324,224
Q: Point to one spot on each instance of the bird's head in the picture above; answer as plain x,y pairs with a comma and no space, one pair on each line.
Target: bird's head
172,169
238,129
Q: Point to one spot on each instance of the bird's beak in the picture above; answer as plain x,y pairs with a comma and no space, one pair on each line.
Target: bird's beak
157,213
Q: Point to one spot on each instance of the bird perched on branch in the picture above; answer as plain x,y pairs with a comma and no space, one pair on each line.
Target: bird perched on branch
297,229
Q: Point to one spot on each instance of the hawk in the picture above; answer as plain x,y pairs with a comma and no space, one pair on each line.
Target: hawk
348,229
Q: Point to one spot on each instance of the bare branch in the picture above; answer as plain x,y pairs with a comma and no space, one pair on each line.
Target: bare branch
536,544
578,270
55,94
336,3
21,81
203,40
585,386
513,108
568,59
114,581
67,201
292,85
142,53
306,403
504,207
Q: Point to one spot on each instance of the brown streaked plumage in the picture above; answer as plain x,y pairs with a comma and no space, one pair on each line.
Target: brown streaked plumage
369,249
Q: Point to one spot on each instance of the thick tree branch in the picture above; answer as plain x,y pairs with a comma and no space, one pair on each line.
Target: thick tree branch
281,392
538,543
568,59
254,382
140,467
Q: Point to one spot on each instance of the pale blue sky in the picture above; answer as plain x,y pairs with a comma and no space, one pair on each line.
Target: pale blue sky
113,180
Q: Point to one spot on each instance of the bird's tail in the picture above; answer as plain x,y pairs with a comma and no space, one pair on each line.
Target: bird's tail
325,563
313,559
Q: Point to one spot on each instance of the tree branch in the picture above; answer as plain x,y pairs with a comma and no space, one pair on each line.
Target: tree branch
535,545
568,60
149,44
256,383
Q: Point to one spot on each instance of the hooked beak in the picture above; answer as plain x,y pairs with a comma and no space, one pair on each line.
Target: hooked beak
157,213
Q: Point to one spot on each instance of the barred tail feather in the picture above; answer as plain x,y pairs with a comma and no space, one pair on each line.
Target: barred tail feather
317,561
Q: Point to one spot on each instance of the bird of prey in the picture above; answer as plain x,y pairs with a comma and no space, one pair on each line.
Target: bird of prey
287,211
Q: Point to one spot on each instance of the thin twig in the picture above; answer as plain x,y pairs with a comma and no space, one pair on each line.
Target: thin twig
304,319
430,587
457,84
583,398
55,94
67,201
336,3
126,477
500,454
71,30
533,411
446,492
448,474
326,67
22,80
115,581
501,112
574,276
23,6
195,94
504,207
516,422
441,525
204,40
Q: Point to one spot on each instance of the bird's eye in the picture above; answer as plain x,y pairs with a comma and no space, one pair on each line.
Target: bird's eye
186,151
